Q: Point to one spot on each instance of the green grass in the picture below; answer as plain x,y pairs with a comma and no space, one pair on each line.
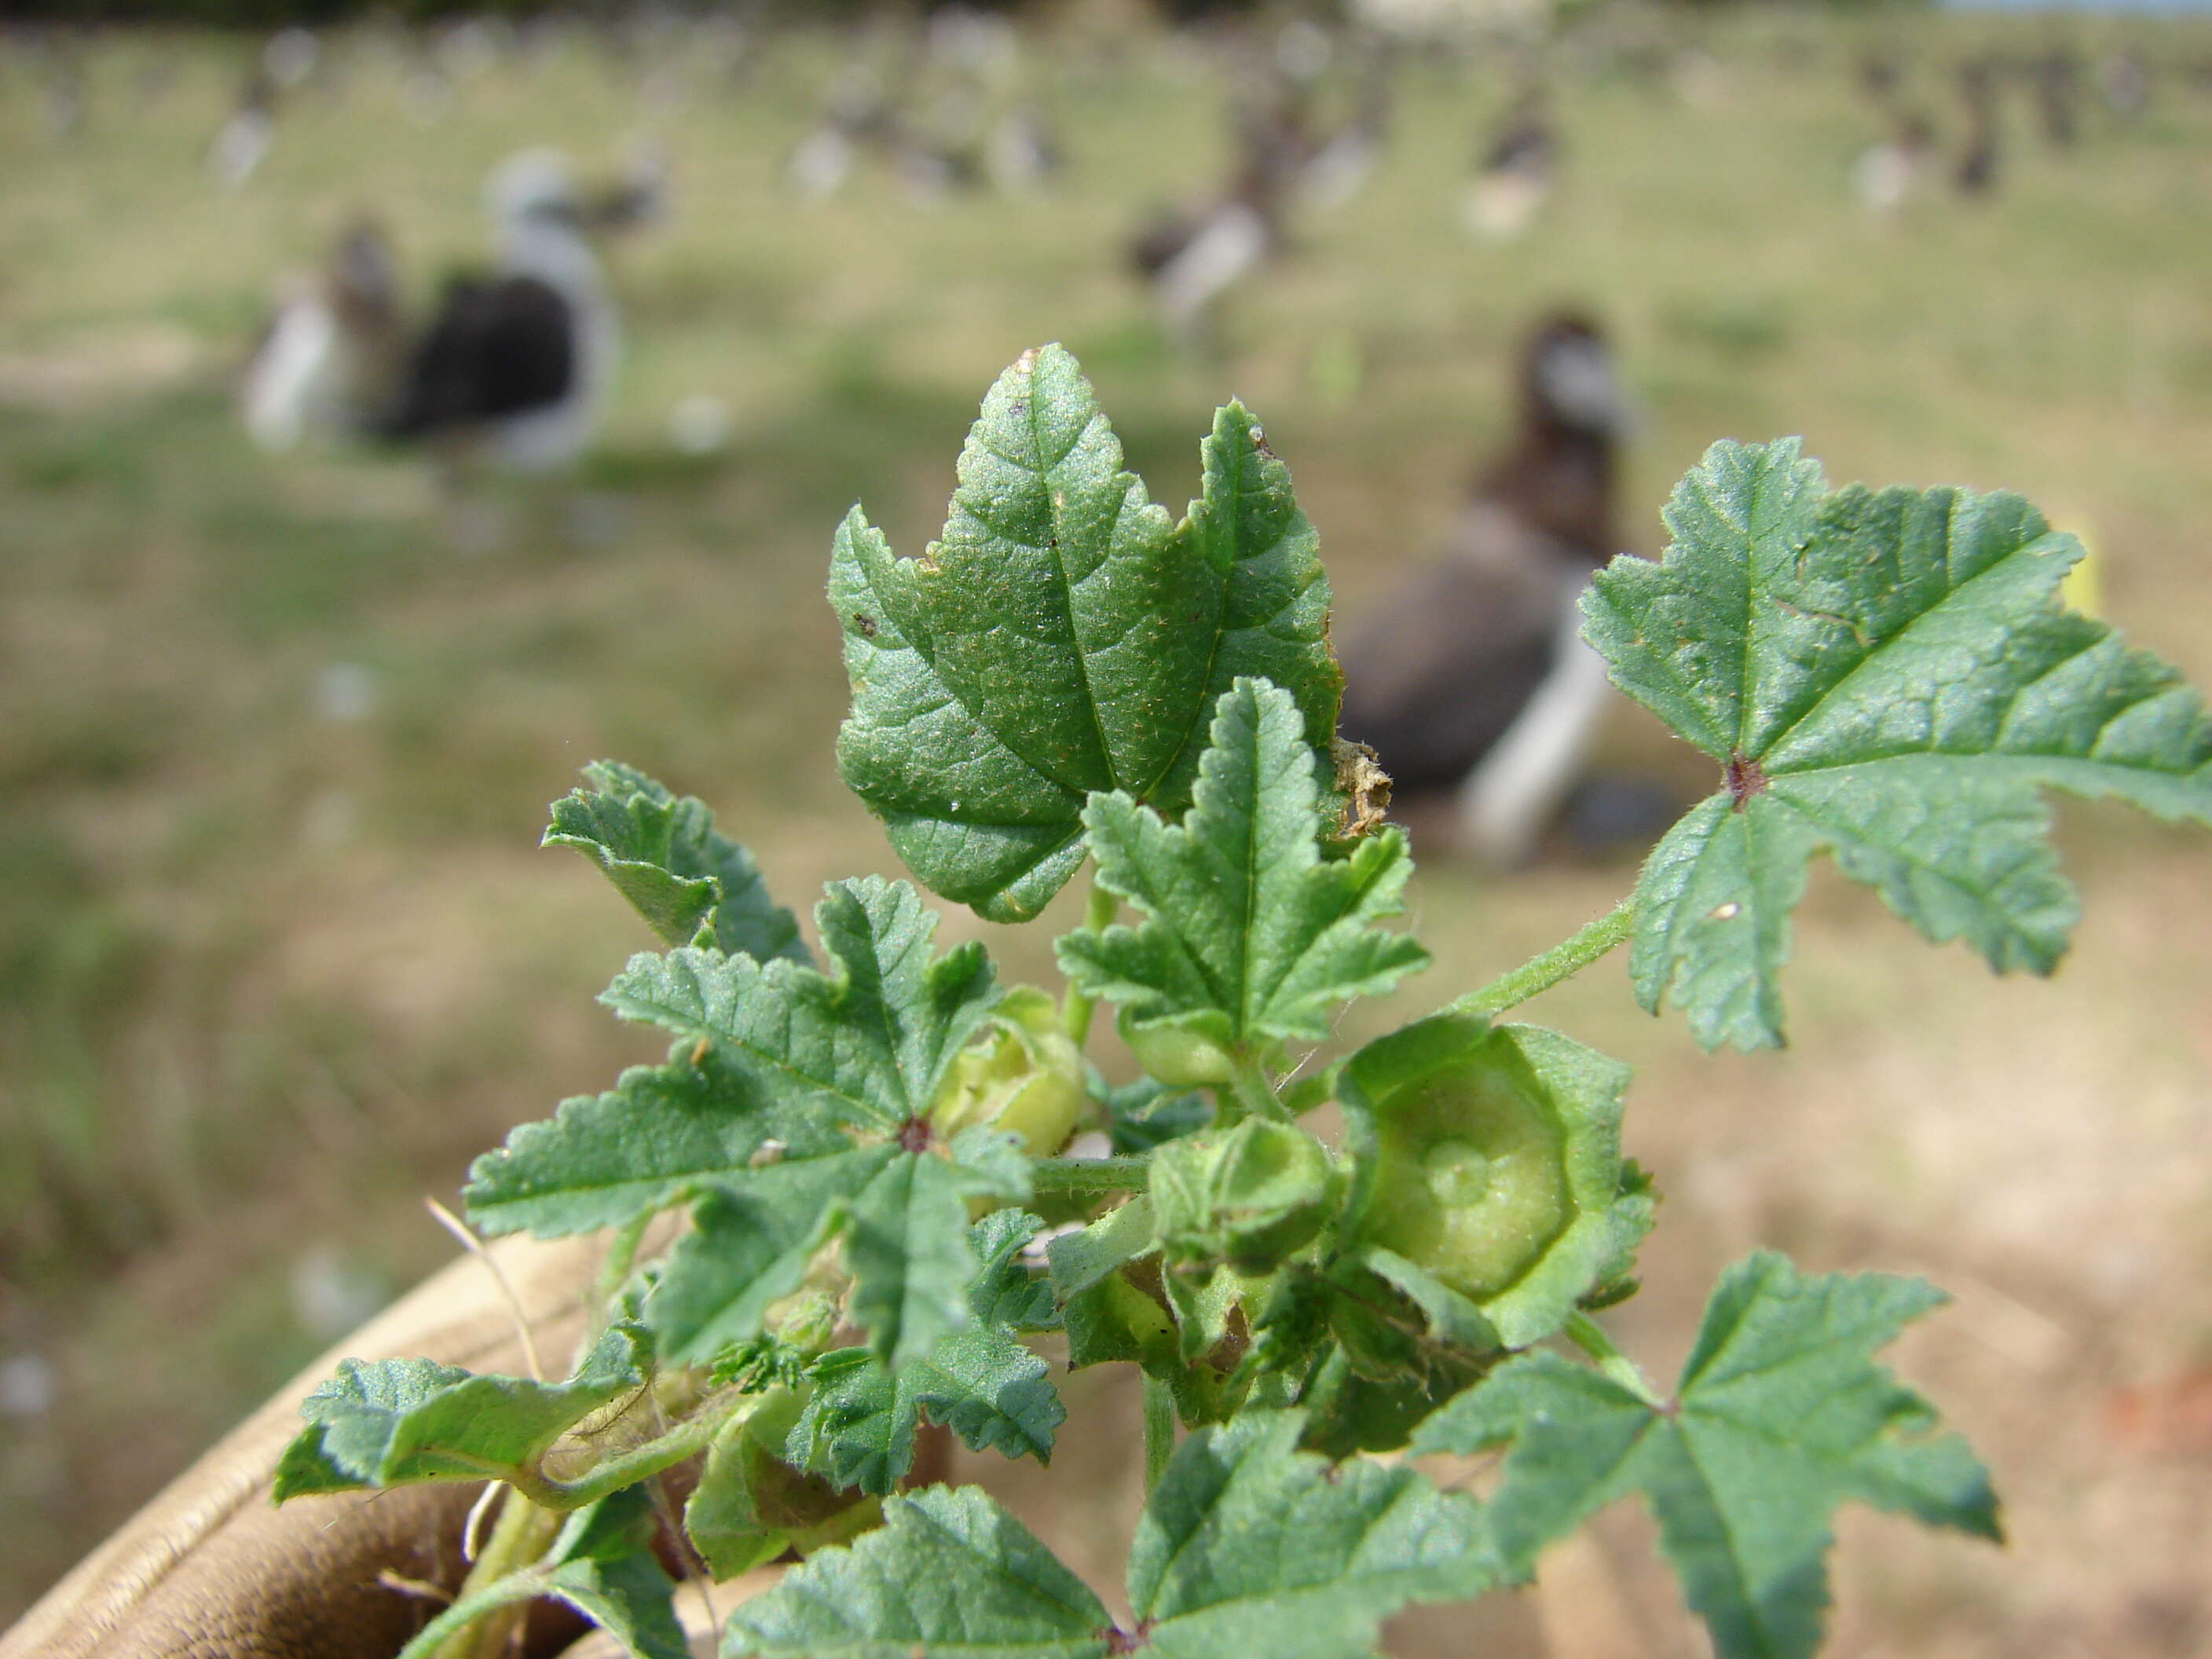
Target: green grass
265,977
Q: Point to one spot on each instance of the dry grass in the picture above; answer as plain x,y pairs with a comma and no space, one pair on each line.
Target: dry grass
263,977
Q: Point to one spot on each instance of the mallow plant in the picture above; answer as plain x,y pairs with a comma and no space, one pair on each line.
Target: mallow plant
902,1193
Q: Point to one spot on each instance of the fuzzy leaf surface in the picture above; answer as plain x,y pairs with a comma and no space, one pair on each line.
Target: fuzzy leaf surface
859,1424
949,1573
661,1134
1063,636
1248,1546
396,1422
1888,677
1780,1416
867,1041
663,854
909,1246
1252,934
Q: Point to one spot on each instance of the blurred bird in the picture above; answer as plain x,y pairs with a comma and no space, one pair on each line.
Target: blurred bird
1890,172
1976,173
2058,78
1024,153
1340,165
241,144
854,116
515,365
1471,682
1514,170
325,364
1193,257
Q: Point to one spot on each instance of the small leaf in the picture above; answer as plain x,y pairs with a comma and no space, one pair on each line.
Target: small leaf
868,1042
751,1505
396,1422
1780,1416
663,854
950,1573
660,1135
1005,1293
1080,1260
1064,637
1251,1545
1253,936
858,1427
1887,676
750,1246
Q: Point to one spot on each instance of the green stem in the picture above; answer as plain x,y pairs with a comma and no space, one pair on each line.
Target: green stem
1097,917
521,1536
1159,1431
1562,961
1248,1084
1585,1334
1090,1177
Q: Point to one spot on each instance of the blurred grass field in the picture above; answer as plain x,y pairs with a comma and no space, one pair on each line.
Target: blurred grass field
277,953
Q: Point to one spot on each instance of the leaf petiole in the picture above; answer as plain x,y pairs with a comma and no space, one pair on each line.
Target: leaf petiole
1587,1334
1562,962
627,1469
1075,1012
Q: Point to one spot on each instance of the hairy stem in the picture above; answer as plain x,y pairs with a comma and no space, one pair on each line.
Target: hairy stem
521,1536
1562,962
1585,1334
1097,917
1159,1431
1254,1094
1090,1177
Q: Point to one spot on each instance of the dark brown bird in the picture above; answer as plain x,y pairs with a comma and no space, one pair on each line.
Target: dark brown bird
1471,680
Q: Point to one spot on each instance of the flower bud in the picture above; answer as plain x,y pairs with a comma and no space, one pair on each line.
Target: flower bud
1026,1076
1249,1196
1177,1056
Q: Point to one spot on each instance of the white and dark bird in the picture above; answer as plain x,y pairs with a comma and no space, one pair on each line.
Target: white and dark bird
1514,171
1190,258
1889,173
324,366
1471,681
516,364
241,144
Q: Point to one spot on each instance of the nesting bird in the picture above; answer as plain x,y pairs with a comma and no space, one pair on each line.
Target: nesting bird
1472,682
516,364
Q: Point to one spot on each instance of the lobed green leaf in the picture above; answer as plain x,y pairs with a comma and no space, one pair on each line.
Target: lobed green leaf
1889,677
1253,936
1780,1415
662,852
1062,637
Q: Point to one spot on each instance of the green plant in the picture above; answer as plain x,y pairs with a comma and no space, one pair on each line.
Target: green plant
870,1148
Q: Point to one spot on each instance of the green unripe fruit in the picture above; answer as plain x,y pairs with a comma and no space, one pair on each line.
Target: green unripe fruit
1027,1077
1249,1197
1491,1165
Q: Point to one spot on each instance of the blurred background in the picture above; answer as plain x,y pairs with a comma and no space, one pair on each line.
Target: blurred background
321,574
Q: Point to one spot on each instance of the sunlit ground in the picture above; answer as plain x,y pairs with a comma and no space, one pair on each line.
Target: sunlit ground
279,953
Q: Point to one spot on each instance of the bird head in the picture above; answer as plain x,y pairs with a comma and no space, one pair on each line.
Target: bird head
1568,378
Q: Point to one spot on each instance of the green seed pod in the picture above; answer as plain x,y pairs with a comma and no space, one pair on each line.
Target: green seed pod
1250,1197
1177,1056
1489,1163
1027,1076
